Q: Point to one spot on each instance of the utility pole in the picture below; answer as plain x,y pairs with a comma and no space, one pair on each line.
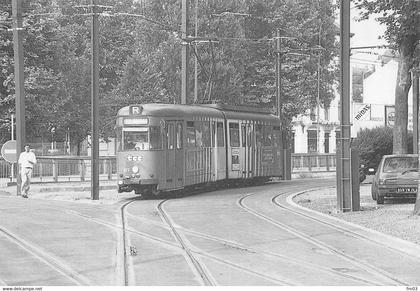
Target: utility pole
184,53
415,78
284,152
344,178
318,130
195,56
19,77
416,71
95,103
278,74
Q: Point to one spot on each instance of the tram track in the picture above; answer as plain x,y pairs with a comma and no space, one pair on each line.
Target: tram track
363,265
204,274
283,258
126,264
46,258
334,226
193,253
179,248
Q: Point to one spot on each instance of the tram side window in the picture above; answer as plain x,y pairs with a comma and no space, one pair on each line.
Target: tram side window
277,136
268,135
155,139
258,134
213,133
234,134
198,133
190,134
243,133
171,136
179,136
220,135
206,134
119,139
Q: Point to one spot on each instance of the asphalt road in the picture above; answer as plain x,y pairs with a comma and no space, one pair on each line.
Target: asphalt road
232,237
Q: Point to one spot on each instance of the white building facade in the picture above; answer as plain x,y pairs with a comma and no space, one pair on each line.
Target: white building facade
377,108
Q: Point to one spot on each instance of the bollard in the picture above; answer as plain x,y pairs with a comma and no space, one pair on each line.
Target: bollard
82,170
55,171
109,168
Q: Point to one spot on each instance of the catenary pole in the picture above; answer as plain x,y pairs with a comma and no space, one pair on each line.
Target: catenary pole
416,210
344,191
195,55
184,53
415,78
94,104
278,74
19,77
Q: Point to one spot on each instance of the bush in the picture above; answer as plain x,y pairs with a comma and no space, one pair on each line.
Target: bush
374,143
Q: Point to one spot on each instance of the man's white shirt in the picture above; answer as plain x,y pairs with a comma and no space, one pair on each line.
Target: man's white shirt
24,159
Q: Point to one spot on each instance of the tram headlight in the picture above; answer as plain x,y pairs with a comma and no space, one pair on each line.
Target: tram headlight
135,169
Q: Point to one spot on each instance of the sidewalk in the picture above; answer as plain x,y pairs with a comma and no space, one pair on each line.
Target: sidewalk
72,191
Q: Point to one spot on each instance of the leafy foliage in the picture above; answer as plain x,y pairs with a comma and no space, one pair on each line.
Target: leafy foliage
402,21
373,143
140,58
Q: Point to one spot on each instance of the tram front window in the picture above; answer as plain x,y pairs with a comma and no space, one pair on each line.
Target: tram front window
141,139
136,140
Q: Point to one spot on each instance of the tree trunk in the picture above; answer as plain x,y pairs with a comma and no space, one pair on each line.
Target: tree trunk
401,105
416,210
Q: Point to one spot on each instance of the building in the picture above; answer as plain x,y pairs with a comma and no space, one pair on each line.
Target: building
373,105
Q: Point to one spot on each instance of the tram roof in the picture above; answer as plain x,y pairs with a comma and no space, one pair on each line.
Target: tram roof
211,110
172,110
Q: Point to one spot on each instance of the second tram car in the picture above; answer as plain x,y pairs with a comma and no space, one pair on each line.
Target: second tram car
166,147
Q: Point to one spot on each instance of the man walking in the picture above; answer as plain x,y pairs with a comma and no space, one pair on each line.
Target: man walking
27,160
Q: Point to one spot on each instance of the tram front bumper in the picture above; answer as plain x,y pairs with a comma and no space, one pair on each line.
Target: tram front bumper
137,181
130,184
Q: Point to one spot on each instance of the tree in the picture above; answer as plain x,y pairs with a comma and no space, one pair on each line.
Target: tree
402,22
6,75
140,58
401,32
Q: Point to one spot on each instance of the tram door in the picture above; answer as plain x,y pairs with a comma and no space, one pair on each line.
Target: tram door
248,144
174,155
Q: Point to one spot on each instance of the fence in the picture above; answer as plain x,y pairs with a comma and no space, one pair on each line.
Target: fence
66,169
61,169
303,163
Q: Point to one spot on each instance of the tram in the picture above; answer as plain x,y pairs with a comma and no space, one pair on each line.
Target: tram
167,147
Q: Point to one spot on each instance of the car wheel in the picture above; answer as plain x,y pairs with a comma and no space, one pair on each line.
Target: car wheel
380,199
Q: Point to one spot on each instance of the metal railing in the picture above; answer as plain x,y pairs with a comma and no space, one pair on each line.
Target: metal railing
67,169
303,163
61,169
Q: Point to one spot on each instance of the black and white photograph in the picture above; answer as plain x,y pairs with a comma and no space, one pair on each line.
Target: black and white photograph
194,143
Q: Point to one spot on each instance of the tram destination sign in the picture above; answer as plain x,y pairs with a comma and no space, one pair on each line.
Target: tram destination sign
8,151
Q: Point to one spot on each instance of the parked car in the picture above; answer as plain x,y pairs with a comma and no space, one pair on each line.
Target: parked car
396,177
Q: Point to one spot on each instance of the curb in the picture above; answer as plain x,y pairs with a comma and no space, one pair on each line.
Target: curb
407,247
74,189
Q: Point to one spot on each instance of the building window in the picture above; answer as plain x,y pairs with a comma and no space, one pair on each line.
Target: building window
292,142
327,113
312,114
312,141
327,142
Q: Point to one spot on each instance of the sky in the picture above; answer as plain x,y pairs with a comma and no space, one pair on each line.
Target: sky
366,32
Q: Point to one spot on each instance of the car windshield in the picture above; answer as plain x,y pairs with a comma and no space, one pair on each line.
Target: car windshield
400,164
